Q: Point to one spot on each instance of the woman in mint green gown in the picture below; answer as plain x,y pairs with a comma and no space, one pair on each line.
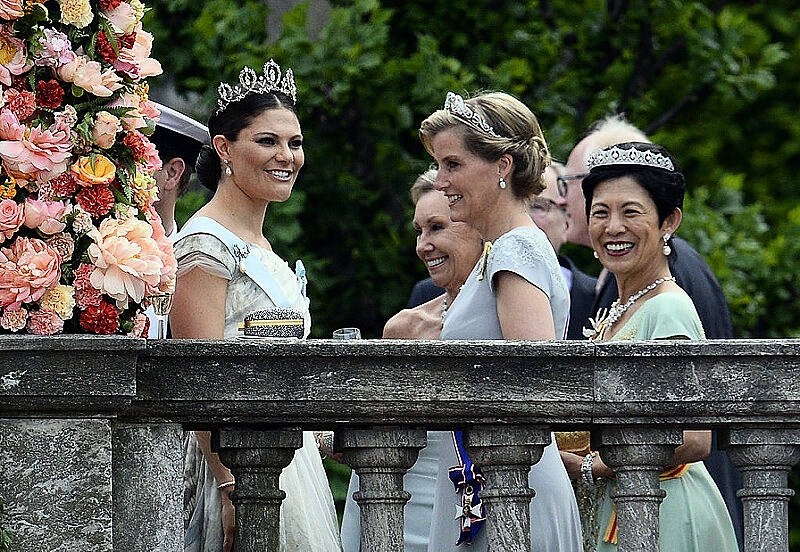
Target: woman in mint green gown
634,194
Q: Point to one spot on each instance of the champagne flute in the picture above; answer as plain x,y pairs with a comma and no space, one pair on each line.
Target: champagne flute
162,304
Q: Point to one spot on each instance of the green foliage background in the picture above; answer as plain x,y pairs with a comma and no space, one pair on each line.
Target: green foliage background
716,83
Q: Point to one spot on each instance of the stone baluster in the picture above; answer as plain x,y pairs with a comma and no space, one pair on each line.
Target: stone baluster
147,467
257,459
380,457
637,456
505,455
765,457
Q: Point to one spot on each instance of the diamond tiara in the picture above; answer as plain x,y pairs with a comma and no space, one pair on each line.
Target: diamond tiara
455,105
250,83
632,156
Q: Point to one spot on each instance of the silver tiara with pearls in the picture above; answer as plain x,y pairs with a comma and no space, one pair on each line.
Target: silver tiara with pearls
456,106
251,83
632,156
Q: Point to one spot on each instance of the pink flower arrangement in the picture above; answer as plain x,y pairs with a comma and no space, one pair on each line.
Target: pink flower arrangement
27,269
126,258
81,246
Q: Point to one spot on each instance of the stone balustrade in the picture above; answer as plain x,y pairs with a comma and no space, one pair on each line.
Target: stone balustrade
90,428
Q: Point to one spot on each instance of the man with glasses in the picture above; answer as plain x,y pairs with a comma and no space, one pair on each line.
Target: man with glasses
691,272
548,213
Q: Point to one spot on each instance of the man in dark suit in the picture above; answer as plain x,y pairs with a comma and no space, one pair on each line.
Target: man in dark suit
691,272
423,291
581,297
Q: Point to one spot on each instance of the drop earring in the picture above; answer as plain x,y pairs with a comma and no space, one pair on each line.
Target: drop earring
502,183
228,170
596,256
667,248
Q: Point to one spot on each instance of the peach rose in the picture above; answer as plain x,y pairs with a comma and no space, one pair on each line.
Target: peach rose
103,171
45,215
167,281
12,215
27,269
105,129
126,258
122,18
13,60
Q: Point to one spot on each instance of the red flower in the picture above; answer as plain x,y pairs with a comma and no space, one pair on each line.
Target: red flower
22,104
96,200
108,5
127,41
64,185
105,48
102,319
135,141
49,94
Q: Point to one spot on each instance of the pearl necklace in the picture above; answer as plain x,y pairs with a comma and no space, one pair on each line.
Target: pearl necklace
606,318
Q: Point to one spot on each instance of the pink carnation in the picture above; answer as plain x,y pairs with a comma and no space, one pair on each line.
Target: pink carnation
127,259
13,61
165,250
41,153
135,62
150,160
27,269
14,320
86,295
44,322
45,215
149,109
11,9
12,215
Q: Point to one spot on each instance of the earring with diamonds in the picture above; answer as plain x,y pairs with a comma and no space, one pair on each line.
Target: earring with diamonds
667,248
228,170
502,183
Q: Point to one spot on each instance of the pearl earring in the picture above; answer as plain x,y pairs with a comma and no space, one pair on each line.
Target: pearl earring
228,170
502,183
667,248
596,255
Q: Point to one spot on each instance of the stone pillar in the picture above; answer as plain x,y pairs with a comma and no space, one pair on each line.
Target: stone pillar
638,456
505,455
257,459
765,457
381,457
147,470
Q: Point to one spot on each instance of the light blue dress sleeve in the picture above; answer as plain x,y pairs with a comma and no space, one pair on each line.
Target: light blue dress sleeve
527,254
670,315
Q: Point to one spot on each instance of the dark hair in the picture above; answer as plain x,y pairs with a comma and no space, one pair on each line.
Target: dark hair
665,187
229,122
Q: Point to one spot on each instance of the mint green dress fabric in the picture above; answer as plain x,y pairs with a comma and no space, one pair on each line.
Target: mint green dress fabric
693,516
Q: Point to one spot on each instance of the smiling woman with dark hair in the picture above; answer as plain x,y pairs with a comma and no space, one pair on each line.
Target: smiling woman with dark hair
634,194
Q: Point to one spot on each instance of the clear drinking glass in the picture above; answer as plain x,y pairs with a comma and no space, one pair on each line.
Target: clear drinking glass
347,333
162,304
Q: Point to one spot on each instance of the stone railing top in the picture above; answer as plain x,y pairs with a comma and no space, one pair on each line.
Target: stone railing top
319,383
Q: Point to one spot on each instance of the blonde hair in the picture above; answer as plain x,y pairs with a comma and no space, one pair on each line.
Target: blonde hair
423,184
520,136
611,130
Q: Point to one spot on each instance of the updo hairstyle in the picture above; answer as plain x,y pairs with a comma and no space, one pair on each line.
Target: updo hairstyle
666,188
229,122
426,182
519,136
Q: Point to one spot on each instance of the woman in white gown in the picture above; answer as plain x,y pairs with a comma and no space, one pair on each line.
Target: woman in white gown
226,269
449,250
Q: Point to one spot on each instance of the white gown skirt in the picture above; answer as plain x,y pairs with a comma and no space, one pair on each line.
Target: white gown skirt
308,517
420,481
